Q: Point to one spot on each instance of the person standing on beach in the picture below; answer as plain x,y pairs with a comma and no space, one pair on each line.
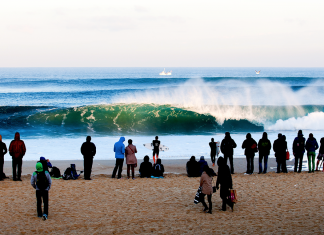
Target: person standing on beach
227,148
311,146
320,155
207,189
88,150
131,159
3,151
251,148
299,150
156,148
280,148
119,149
264,152
41,181
212,146
17,150
224,179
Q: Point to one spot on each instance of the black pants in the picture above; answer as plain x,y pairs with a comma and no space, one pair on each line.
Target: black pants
131,166
298,160
209,201
1,167
87,166
16,163
228,202
230,157
42,194
249,164
119,166
213,157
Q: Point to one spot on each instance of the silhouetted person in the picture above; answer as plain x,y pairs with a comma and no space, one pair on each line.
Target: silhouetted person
3,151
224,179
320,154
88,150
264,147
131,159
192,167
280,149
156,148
158,168
311,146
202,164
227,148
251,148
212,146
119,149
146,167
207,188
298,151
17,150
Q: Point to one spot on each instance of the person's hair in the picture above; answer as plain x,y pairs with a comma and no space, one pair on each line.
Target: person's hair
193,158
208,171
156,137
212,139
146,158
265,135
130,141
227,134
284,137
220,161
300,132
248,135
158,161
279,135
88,138
311,135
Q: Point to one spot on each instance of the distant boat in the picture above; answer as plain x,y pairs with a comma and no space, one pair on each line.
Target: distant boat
257,72
166,73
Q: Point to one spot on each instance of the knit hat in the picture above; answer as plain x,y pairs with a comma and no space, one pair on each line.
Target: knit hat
202,158
42,159
39,167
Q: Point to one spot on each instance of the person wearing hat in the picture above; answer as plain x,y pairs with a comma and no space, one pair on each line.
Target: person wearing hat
46,163
3,151
299,150
202,164
41,181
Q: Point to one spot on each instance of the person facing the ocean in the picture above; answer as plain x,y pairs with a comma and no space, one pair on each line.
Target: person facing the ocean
17,150
145,169
251,148
156,148
264,152
88,150
46,163
227,147
207,189
311,146
131,159
202,164
298,151
192,167
212,146
320,156
158,169
41,181
3,151
119,149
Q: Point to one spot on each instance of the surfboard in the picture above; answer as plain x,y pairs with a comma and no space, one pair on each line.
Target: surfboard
217,148
162,148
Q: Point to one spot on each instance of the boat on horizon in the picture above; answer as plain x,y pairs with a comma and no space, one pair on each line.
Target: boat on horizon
165,73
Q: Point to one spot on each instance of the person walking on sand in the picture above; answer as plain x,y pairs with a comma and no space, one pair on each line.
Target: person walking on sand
212,146
251,148
119,149
298,151
224,179
131,159
311,146
156,148
17,150
41,181
227,147
264,146
88,150
207,189
3,151
320,156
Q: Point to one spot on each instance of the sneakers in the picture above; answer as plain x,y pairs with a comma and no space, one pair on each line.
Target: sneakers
44,217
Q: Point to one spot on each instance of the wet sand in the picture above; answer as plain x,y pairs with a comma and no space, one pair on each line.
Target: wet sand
268,204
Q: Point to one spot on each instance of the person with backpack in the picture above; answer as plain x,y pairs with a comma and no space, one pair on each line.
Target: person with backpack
251,148
158,168
131,159
207,189
88,150
311,146
17,150
320,156
146,167
119,149
41,181
224,179
298,151
212,146
3,151
227,147
264,152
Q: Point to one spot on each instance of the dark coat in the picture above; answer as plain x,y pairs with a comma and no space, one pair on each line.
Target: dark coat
88,149
145,169
192,168
321,150
299,145
3,149
264,146
202,163
280,148
247,145
228,145
158,170
224,179
311,145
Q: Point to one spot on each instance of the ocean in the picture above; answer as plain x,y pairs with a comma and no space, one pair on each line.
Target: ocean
54,109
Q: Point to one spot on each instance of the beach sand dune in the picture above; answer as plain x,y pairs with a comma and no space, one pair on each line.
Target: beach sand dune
268,204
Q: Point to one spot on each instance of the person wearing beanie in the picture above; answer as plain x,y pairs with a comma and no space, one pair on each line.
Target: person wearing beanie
202,164
227,147
3,151
17,150
88,150
311,146
41,181
298,150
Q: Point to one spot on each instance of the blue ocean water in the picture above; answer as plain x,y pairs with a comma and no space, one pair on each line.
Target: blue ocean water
45,103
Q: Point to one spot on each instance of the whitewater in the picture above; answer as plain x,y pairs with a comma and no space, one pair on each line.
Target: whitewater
54,109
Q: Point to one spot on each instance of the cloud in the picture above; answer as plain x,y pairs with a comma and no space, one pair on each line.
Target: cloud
140,9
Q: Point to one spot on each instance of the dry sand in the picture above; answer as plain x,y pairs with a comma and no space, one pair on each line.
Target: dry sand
268,204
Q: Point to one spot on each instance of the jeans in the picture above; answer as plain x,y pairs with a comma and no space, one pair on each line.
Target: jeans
311,159
250,164
119,166
261,157
87,166
298,160
230,157
42,194
16,163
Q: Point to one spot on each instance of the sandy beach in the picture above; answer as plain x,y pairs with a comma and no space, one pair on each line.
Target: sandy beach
268,204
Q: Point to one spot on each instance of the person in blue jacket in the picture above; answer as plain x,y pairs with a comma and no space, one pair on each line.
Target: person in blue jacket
119,149
311,146
202,163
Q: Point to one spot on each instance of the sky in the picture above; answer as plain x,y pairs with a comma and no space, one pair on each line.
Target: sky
169,33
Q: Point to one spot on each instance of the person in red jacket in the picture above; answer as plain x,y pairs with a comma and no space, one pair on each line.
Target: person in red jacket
17,150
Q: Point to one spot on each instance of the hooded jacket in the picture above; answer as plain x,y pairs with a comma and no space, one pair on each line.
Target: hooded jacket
227,145
247,145
299,144
88,149
146,168
119,148
224,178
264,145
3,149
311,145
17,148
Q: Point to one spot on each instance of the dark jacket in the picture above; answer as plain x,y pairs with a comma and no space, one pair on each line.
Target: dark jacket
280,148
248,143
88,149
145,168
264,146
3,150
212,146
17,148
192,168
202,163
224,179
311,145
227,146
321,150
299,145
158,169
